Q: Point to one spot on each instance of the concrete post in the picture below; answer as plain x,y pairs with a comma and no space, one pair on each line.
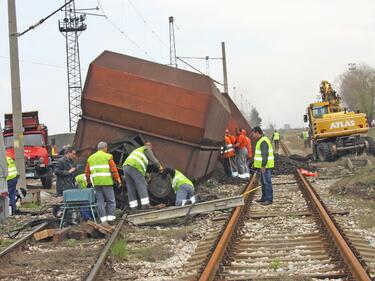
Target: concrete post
16,94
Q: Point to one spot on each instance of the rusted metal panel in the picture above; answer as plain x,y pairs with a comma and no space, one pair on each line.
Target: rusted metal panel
182,113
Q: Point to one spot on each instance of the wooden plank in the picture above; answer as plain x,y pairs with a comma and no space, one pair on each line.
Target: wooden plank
181,211
47,233
102,229
60,234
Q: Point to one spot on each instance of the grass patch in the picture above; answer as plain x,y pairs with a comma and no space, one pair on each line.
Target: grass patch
30,206
275,264
155,253
6,242
71,242
119,250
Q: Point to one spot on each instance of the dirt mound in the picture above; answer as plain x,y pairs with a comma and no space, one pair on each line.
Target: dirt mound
360,184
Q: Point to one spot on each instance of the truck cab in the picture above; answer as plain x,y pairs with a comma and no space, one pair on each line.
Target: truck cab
37,151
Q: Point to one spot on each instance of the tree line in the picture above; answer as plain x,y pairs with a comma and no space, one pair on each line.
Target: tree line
357,89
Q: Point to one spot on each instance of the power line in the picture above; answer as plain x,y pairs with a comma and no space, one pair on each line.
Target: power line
35,62
146,24
123,32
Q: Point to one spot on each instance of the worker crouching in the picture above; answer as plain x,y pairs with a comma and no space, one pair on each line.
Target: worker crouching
182,186
101,172
135,167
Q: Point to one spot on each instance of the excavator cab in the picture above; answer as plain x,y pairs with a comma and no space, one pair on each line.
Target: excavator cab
319,111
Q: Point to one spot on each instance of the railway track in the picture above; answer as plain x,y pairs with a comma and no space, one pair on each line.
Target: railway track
295,238
68,260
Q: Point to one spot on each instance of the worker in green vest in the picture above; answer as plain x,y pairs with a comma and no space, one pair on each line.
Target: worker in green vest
135,167
101,172
12,180
305,137
276,140
264,162
182,186
81,182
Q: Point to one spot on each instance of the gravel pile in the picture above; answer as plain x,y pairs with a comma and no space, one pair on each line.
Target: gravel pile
287,165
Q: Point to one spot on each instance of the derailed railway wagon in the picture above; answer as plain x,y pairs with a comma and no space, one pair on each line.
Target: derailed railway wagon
127,100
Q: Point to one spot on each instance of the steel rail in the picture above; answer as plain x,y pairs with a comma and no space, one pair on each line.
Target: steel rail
212,265
95,270
21,241
285,148
354,265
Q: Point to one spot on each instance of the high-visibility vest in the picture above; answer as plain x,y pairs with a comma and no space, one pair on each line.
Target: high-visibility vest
276,136
12,169
305,135
81,181
137,159
100,171
178,180
258,154
228,150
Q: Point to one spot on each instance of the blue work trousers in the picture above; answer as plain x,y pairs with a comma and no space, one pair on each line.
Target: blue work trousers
267,191
186,191
12,184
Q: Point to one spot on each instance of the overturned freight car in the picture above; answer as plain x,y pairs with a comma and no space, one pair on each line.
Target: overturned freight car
127,100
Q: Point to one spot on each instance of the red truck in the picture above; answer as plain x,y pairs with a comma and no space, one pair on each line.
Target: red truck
37,151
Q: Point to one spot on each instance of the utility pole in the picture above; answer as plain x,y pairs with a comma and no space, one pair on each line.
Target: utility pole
225,74
172,44
71,27
16,94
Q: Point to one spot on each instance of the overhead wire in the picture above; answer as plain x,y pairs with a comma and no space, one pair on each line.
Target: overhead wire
147,24
123,32
35,62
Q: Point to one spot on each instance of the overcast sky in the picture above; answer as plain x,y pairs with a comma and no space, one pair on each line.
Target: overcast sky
277,51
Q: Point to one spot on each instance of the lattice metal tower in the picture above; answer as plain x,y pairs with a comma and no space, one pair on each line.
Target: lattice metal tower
71,27
172,44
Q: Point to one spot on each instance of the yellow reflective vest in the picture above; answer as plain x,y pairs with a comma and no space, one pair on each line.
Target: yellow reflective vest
12,169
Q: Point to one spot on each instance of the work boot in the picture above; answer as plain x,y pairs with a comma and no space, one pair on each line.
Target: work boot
105,224
265,203
187,202
260,200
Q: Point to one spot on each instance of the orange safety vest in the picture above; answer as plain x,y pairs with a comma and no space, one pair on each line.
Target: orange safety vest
249,148
228,150
232,139
241,140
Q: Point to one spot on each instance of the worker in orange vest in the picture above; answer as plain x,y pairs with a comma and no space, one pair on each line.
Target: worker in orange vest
241,155
229,156
249,149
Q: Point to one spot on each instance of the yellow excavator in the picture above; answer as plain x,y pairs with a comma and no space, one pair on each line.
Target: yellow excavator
334,130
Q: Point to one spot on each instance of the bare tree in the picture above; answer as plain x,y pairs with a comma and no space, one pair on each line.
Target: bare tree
357,88
255,119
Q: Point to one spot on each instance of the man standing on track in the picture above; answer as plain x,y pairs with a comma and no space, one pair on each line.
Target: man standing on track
264,161
276,140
